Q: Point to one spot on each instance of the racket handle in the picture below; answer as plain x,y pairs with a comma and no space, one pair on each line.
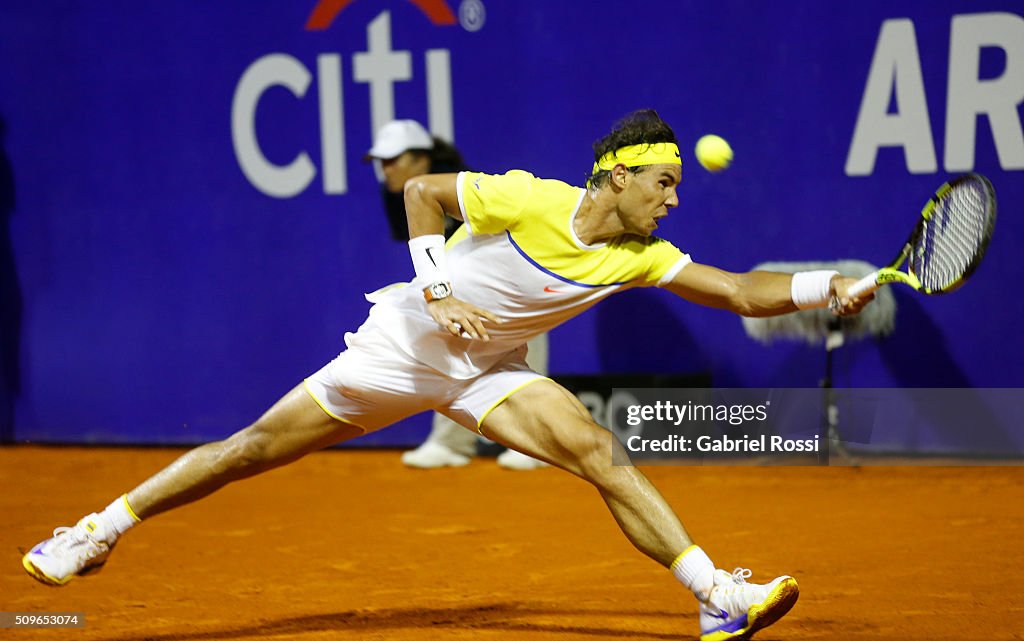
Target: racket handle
863,286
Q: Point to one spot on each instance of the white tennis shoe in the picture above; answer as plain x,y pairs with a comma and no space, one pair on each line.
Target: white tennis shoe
433,455
736,609
71,551
513,460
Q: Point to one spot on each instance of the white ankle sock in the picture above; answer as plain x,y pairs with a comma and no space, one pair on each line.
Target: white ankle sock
119,516
696,571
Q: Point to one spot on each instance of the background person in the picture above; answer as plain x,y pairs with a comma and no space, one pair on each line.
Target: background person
404,150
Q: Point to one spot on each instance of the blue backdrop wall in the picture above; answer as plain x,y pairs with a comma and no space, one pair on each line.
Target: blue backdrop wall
188,226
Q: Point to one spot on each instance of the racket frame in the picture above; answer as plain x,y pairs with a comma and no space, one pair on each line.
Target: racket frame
892,273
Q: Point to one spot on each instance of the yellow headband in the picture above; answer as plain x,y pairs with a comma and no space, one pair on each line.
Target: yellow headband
642,154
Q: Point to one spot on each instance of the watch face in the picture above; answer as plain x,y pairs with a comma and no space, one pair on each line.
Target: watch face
440,290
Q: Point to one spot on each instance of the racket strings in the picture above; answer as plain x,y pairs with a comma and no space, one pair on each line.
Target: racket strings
947,244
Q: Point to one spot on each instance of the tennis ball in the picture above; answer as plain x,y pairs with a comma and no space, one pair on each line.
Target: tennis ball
713,153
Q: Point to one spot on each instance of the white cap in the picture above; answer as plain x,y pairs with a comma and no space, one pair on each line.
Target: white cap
399,136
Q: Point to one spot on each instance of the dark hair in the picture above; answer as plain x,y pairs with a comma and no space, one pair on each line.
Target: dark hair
444,157
445,153
643,126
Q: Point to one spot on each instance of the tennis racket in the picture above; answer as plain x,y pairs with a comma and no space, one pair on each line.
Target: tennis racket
948,242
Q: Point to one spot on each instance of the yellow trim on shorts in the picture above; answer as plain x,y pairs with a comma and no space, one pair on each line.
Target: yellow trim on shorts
305,385
135,516
480,423
681,555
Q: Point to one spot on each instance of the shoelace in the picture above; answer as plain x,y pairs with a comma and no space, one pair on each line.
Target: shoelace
71,538
740,575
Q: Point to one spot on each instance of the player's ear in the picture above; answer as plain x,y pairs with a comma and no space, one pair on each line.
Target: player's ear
618,176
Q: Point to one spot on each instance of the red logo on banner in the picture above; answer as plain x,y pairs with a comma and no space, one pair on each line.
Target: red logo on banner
325,11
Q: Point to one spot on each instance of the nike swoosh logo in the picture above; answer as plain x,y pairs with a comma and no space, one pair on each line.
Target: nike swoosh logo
723,616
552,291
431,256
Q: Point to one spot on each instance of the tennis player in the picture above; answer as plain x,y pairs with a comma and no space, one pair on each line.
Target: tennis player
532,254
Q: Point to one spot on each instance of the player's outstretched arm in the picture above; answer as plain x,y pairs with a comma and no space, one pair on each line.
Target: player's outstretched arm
756,293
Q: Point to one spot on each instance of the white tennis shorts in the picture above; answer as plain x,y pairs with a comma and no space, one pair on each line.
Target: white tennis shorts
373,384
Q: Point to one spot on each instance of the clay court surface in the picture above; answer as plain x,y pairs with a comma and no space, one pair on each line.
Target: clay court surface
351,545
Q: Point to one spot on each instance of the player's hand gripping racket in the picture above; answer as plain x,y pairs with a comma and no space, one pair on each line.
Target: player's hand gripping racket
948,242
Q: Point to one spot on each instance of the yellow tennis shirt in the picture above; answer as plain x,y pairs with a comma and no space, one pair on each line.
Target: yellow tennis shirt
518,256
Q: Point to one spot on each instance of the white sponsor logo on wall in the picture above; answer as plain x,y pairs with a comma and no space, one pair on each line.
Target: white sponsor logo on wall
895,77
379,66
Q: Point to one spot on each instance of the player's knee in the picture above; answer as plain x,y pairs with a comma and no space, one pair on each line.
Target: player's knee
594,454
245,451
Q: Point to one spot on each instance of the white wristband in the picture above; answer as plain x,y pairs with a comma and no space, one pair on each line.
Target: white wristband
810,290
429,259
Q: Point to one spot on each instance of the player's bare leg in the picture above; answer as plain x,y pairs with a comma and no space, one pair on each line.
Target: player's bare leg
545,421
292,428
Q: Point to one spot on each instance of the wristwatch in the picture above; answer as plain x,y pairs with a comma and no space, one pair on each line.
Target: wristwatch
437,291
